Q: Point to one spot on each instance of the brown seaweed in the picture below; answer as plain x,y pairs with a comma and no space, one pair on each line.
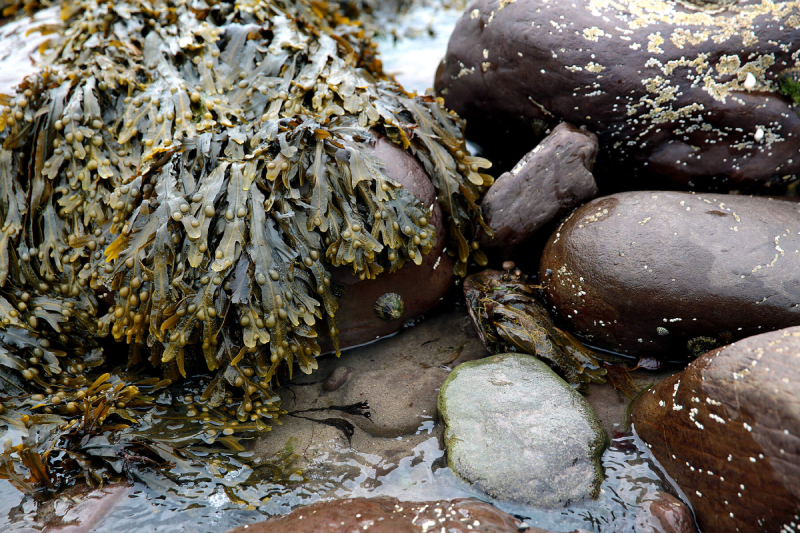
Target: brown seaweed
167,146
509,318
182,176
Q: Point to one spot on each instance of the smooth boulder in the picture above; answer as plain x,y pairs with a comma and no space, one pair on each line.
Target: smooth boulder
546,184
681,91
518,432
672,274
727,430
389,515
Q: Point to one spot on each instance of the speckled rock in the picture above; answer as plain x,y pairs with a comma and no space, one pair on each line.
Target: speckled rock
727,429
518,432
420,286
549,182
388,515
671,89
651,272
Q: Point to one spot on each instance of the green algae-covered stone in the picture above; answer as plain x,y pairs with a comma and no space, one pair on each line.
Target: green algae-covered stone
519,432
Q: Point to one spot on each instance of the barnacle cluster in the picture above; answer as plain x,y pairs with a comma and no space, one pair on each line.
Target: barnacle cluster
182,175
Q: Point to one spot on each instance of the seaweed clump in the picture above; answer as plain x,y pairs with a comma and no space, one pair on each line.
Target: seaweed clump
509,318
182,176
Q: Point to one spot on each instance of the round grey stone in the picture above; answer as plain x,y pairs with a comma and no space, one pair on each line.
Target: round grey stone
519,432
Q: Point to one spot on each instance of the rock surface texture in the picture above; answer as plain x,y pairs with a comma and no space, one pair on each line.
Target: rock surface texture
674,274
519,432
682,90
549,182
388,515
727,430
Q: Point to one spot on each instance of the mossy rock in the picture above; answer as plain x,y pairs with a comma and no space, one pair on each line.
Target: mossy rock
519,432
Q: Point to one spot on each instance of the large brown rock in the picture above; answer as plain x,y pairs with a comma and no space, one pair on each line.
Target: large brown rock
420,286
389,515
648,272
549,182
670,88
727,430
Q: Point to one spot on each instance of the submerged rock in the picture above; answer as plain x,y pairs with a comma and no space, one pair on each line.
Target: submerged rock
394,381
549,182
665,514
672,274
727,430
685,91
389,515
518,432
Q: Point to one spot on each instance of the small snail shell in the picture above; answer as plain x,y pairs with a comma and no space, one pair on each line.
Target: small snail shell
389,306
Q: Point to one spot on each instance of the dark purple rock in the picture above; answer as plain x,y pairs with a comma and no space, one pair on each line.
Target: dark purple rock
546,184
727,430
648,273
665,514
683,93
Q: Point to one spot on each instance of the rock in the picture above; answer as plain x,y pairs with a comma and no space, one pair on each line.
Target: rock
727,430
646,273
420,286
673,90
665,514
337,378
518,432
546,184
389,515
85,510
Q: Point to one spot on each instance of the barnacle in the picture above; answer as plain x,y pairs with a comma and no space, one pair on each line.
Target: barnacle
182,176
509,318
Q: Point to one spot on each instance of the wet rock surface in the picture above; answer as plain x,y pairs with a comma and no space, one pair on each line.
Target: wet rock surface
727,430
550,181
519,432
420,286
678,90
671,274
389,515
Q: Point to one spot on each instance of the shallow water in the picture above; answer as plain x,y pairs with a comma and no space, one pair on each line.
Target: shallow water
631,479
415,43
21,39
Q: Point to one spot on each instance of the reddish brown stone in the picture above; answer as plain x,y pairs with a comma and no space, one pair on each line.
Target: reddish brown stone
665,514
644,273
388,515
727,430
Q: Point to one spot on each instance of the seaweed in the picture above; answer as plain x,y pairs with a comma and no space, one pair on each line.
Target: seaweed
182,177
509,318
